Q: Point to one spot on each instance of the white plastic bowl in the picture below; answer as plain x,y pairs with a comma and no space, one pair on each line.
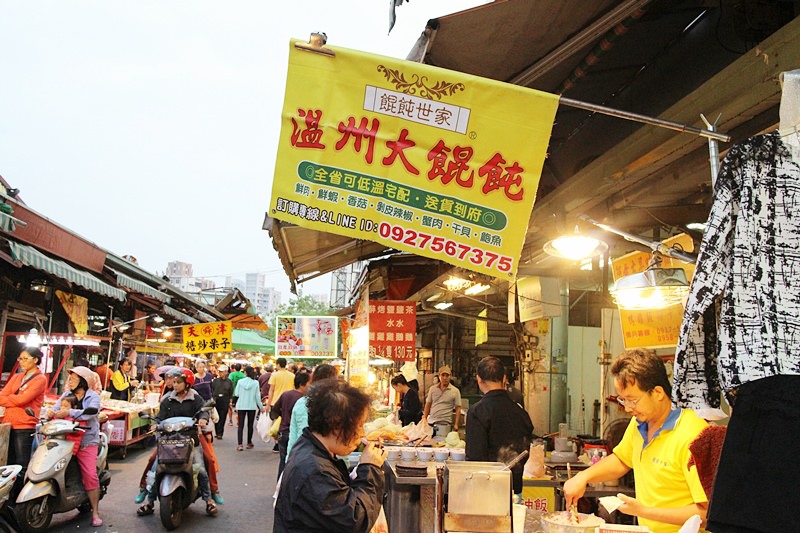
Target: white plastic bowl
408,454
424,454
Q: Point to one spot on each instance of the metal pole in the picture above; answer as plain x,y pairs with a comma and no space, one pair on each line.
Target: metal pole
636,117
653,245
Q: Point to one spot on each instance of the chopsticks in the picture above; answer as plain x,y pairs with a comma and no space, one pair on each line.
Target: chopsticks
573,512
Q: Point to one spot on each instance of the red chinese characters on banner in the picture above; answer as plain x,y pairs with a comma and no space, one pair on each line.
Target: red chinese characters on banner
393,329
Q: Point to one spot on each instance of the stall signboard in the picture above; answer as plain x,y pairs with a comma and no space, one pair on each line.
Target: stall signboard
207,337
393,329
77,309
306,336
539,498
652,328
429,161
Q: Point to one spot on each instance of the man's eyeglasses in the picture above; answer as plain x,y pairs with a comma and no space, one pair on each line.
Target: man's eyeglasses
628,403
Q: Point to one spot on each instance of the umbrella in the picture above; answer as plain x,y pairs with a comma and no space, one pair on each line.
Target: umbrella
160,371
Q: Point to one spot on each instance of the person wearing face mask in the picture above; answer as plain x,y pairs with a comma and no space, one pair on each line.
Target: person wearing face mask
317,493
83,384
24,389
184,401
655,446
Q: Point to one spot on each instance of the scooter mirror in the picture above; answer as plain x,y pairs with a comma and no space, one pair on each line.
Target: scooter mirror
29,411
90,411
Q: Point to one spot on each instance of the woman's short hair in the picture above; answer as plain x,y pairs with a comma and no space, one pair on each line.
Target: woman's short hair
399,379
36,353
642,368
324,371
122,362
335,407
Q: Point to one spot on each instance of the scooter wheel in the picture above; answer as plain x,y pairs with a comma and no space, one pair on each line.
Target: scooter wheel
34,516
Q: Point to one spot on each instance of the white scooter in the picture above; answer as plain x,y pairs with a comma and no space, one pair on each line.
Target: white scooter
8,474
53,478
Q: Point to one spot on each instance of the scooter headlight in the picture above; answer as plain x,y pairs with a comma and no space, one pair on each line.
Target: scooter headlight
175,426
61,464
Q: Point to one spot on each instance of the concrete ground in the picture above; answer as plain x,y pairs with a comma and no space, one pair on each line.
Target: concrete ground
246,478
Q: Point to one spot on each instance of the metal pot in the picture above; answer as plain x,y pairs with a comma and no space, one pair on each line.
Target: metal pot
556,523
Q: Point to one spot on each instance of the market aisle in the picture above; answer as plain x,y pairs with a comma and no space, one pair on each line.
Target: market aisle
247,481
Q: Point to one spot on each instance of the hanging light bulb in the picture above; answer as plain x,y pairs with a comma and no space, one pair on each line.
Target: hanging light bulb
655,288
575,246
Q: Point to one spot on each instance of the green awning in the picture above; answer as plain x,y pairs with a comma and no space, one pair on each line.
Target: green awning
32,257
141,287
245,340
7,223
183,317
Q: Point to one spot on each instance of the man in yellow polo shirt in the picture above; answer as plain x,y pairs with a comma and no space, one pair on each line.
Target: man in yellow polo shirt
655,446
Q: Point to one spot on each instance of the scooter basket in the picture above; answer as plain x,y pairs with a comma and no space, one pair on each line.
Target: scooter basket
174,451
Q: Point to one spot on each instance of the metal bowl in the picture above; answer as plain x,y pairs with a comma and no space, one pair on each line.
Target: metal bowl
558,523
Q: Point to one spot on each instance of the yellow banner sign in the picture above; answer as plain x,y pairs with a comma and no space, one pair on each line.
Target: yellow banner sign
77,309
208,337
424,160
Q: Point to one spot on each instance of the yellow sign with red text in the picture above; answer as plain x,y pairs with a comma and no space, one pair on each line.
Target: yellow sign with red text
77,309
652,328
208,337
424,160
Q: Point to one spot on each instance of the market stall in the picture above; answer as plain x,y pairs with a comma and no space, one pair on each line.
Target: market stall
125,426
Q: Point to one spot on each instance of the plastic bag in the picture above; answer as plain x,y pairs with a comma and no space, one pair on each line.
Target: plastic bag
381,525
262,427
534,466
275,428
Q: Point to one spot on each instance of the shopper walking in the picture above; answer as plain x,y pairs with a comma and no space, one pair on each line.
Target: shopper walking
222,391
283,408
235,376
249,400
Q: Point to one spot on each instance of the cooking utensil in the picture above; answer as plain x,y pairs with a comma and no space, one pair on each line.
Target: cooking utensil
516,460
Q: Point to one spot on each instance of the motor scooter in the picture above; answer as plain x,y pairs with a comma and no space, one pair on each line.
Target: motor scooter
53,479
8,474
175,480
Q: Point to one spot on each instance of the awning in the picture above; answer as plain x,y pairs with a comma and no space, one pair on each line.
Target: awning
34,258
307,253
248,321
8,223
183,317
250,341
206,317
141,287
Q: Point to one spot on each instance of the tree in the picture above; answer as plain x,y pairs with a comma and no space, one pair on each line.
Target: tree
301,305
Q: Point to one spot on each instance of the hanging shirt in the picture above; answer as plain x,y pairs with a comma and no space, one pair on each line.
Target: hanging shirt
749,262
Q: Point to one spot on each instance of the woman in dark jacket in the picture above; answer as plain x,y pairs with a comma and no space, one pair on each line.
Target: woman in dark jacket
316,493
410,406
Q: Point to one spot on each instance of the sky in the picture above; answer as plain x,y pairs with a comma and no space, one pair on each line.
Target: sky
150,128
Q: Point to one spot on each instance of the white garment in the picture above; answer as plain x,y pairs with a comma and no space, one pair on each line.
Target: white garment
749,261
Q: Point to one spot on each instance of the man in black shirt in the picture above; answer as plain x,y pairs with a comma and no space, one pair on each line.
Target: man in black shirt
497,428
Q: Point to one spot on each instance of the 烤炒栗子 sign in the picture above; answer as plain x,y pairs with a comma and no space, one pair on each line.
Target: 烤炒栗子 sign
207,337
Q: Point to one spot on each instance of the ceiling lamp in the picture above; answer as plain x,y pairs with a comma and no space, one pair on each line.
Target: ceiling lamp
454,283
655,288
575,246
443,305
478,288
